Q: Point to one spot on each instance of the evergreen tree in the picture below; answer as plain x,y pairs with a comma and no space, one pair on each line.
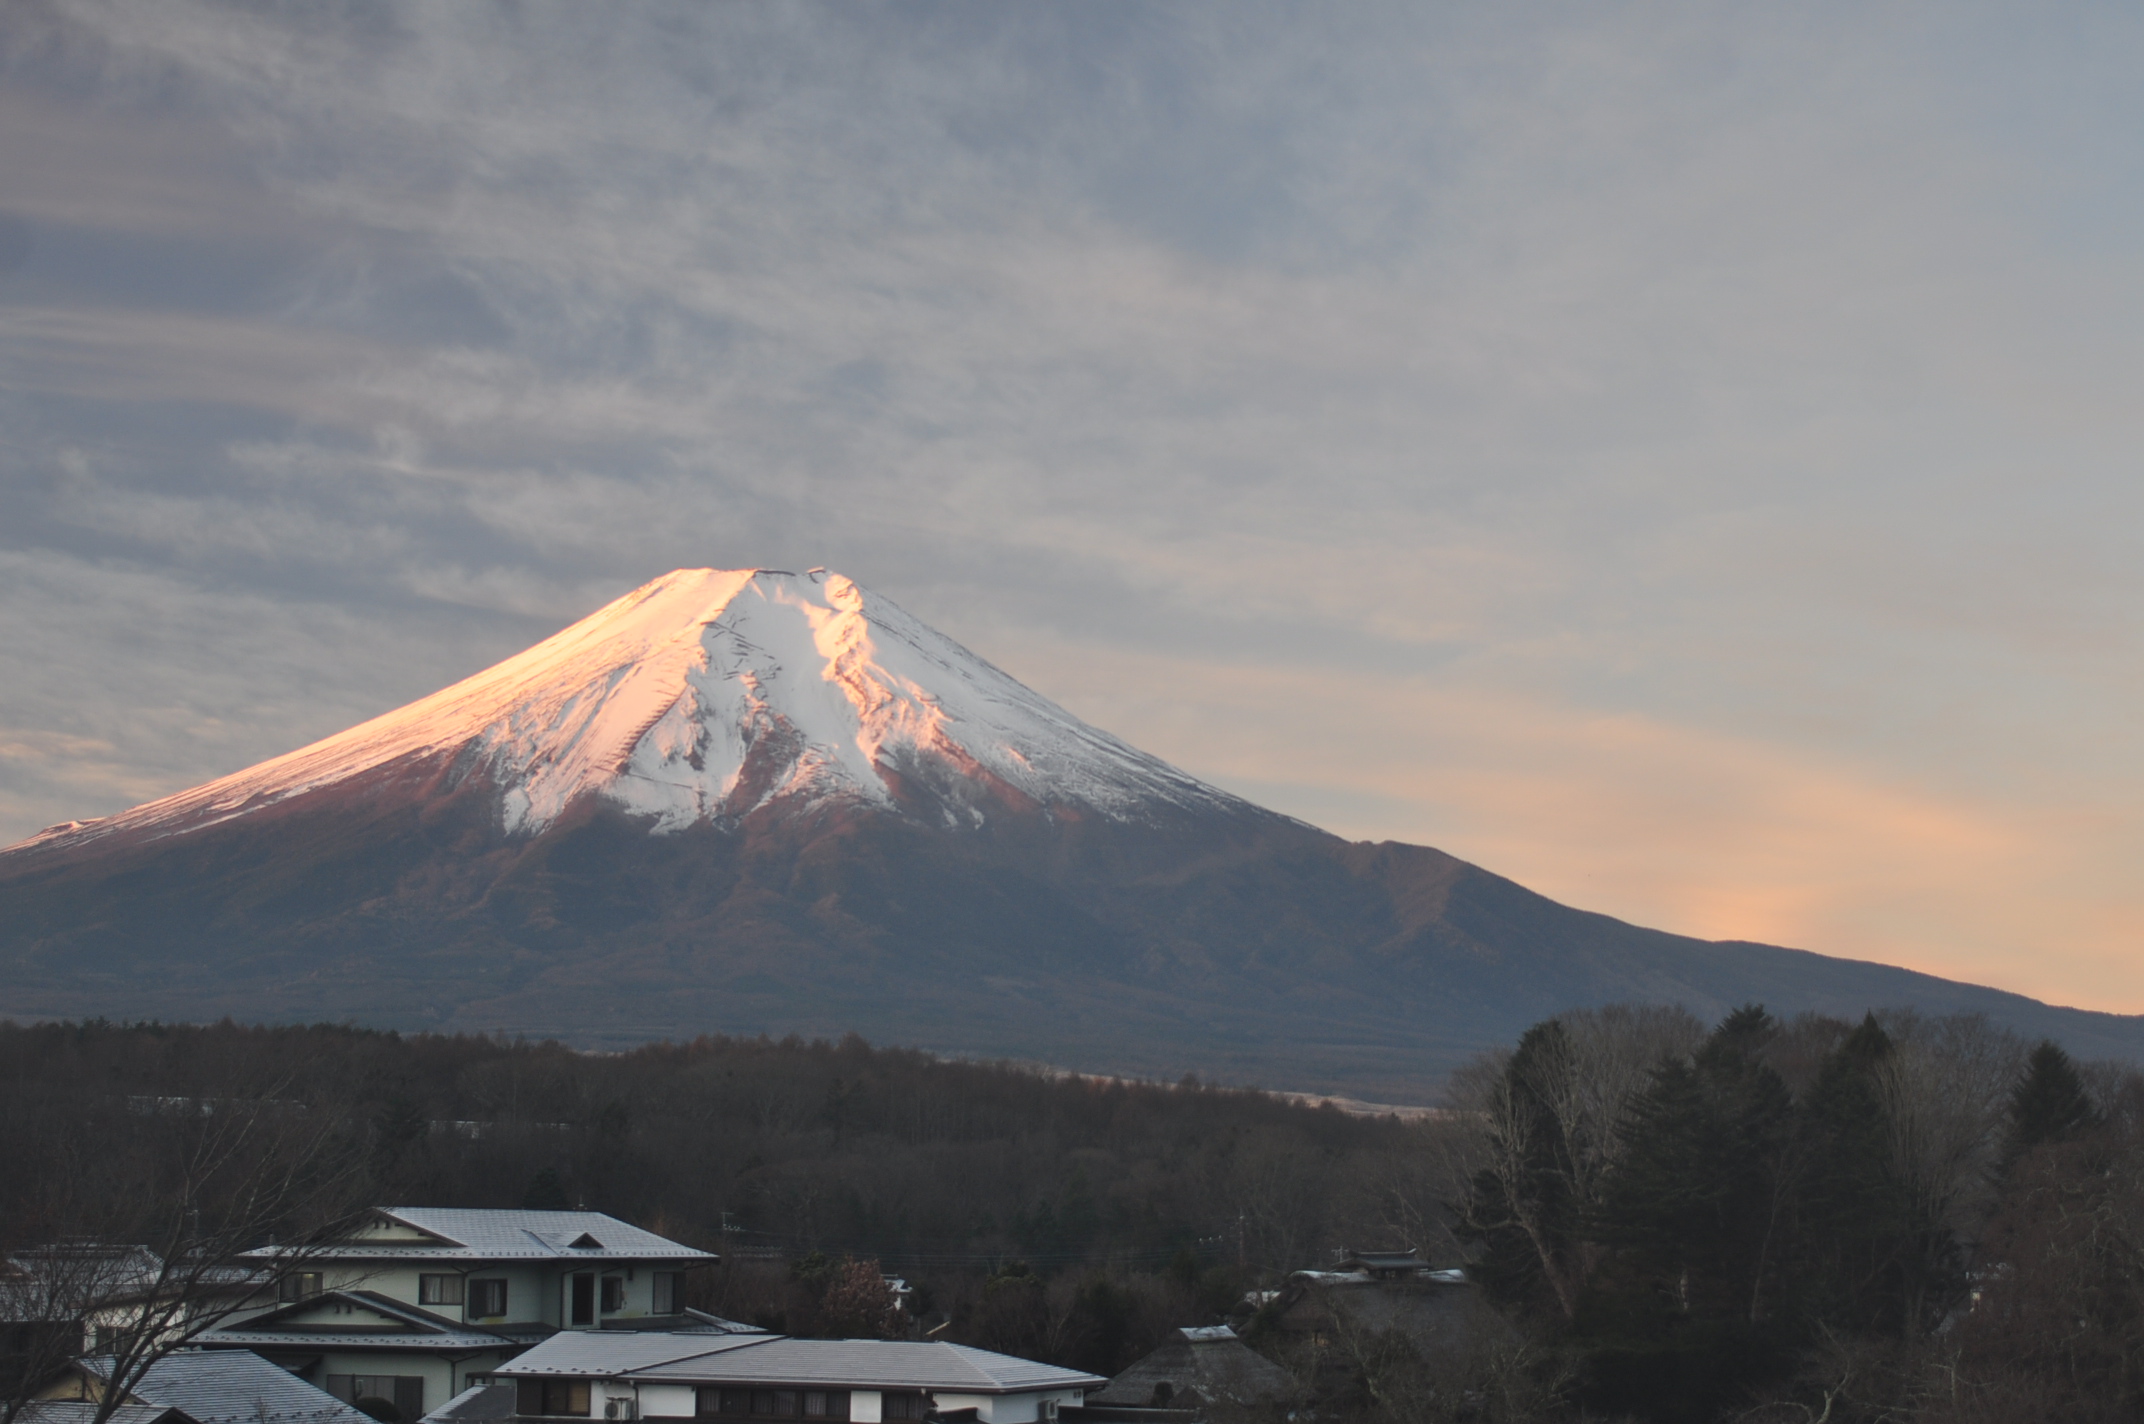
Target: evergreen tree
545,1192
1520,1208
1855,1232
1698,1214
2050,1103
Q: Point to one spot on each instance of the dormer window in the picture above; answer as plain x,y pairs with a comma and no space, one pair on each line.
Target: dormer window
585,1242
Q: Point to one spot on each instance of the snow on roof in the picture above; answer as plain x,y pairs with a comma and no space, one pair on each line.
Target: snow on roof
852,1364
232,1387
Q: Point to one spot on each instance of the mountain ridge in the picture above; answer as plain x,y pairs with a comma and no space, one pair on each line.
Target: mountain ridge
1106,912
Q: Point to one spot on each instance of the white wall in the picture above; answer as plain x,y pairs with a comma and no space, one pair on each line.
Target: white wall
863,1406
668,1401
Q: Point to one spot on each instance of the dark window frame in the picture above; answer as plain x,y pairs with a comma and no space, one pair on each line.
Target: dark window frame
581,1298
553,1398
771,1402
483,1292
440,1289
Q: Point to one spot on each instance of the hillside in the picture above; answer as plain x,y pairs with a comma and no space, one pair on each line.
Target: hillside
751,802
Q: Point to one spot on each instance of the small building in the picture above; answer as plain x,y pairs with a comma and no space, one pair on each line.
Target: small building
1197,1367
419,1303
772,1379
1382,1265
1431,1307
209,1387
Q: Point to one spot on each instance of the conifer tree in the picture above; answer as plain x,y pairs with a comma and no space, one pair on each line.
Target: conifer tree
1518,1207
2050,1103
1854,1221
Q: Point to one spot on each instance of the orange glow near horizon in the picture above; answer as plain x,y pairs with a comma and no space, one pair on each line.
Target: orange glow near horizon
1673,827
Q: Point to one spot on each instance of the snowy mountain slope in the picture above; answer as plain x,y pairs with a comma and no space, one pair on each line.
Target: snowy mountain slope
708,694
752,801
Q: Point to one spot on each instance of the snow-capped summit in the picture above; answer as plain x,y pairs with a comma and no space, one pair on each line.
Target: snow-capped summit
709,693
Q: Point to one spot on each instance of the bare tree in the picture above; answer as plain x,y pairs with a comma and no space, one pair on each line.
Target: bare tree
141,1253
1545,1129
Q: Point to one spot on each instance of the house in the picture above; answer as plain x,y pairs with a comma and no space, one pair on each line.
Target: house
89,1292
208,1387
1433,1308
417,1302
84,1411
1196,1367
769,1379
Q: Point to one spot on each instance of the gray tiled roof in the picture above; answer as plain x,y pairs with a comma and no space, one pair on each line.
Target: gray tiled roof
854,1364
478,1404
233,1387
877,1364
603,1354
420,1329
83,1411
1207,1361
474,1234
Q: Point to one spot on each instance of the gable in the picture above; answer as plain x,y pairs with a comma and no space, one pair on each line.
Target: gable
335,1312
383,1229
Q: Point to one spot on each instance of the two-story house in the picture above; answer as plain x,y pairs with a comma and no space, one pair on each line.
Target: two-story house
409,1306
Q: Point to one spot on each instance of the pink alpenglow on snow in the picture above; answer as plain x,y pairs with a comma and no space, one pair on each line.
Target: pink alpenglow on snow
709,693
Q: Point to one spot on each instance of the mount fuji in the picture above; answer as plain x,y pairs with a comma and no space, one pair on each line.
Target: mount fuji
754,800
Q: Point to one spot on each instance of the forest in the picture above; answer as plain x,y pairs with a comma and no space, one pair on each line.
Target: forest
1900,1219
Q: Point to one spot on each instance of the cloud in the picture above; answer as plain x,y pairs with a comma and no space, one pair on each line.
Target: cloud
1671,826
1719,426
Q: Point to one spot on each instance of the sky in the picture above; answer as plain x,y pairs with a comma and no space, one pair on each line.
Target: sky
1685,458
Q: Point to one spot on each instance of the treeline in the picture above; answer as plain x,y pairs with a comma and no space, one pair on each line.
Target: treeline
1004,1194
1900,1220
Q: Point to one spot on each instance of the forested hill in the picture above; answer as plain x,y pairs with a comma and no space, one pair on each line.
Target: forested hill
735,1145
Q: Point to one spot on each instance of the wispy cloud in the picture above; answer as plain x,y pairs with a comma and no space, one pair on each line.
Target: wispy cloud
1717,428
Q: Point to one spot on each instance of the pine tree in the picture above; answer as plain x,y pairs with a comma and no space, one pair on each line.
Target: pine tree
1697,1215
2050,1103
1519,1208
1854,1224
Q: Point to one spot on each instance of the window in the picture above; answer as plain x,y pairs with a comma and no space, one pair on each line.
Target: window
404,1392
613,1294
439,1290
666,1292
301,1285
487,1299
552,1396
824,1406
900,1406
581,1291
